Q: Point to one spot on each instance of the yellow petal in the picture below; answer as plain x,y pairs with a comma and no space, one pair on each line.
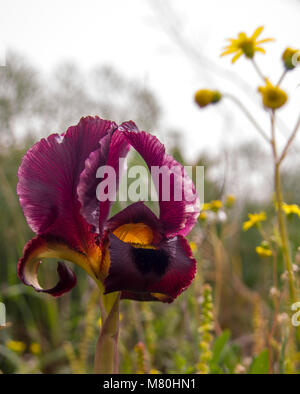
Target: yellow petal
237,56
257,32
258,49
265,40
228,51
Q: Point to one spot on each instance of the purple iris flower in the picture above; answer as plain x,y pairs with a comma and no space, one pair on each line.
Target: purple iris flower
143,256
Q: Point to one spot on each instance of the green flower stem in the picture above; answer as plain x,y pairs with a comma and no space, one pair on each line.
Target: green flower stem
280,214
248,115
290,141
282,77
257,69
284,234
106,357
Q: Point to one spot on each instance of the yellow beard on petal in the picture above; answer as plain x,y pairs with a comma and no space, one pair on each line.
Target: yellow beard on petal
138,234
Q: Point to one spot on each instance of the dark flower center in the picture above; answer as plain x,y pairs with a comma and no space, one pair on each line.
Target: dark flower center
150,260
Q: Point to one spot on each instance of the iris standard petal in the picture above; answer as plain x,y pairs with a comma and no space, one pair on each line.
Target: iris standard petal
146,273
48,179
113,148
180,208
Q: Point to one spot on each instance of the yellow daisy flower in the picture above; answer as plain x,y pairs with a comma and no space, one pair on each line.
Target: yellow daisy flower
291,209
216,205
16,346
263,251
254,219
206,206
35,348
193,246
230,200
273,97
245,45
202,216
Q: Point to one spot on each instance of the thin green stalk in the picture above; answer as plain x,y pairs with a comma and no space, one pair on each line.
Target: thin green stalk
257,69
106,357
282,77
248,115
280,214
284,234
289,142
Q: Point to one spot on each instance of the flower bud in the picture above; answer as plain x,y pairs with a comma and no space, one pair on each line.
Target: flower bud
290,57
204,97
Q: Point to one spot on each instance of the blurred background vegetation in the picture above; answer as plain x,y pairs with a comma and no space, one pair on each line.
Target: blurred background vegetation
47,335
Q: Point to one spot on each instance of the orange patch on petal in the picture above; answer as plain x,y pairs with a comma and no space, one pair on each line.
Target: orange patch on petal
134,233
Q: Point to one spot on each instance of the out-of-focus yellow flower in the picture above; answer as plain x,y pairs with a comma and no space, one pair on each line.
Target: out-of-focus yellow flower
290,57
16,346
245,45
254,220
154,371
263,251
291,209
203,216
204,97
230,200
215,205
273,97
35,348
193,246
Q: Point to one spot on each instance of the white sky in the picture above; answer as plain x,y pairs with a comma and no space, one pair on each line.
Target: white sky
128,35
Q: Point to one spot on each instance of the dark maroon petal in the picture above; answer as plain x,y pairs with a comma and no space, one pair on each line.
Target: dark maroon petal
118,149
142,273
180,272
113,147
88,182
177,217
49,176
67,280
137,212
29,264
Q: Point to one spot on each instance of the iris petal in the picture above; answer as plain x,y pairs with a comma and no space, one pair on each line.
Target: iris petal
113,148
48,179
51,247
160,273
177,217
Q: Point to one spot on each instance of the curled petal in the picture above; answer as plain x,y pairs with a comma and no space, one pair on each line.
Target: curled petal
88,183
113,147
48,179
179,211
150,273
43,247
